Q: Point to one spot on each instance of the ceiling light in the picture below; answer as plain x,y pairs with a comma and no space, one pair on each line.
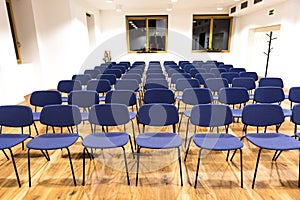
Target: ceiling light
118,8
219,8
169,8
108,1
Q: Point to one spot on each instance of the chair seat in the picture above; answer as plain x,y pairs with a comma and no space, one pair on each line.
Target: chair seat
187,113
52,141
157,140
287,112
84,116
132,115
105,140
273,141
11,140
36,116
217,141
237,113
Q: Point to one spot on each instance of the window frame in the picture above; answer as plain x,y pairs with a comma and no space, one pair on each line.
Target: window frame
212,18
146,18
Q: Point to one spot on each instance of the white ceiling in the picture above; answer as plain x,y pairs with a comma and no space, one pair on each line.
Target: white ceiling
161,4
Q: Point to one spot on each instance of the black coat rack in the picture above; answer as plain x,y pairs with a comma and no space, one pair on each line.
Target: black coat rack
269,50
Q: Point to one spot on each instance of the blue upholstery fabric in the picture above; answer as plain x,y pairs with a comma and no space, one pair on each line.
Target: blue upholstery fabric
215,84
154,83
273,141
262,115
52,141
202,77
15,116
211,115
83,98
83,78
252,75
10,140
42,98
66,86
270,81
157,114
217,141
269,94
229,76
127,84
105,140
111,77
159,140
246,82
231,96
100,85
159,95
109,114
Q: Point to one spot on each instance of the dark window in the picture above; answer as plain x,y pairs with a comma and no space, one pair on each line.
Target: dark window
244,5
233,9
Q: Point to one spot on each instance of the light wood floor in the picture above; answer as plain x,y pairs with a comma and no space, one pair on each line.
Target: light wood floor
159,177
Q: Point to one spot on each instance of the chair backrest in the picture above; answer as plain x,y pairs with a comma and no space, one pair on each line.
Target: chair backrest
229,76
116,72
99,85
245,82
126,97
237,70
226,66
296,115
154,71
270,81
249,75
177,76
109,114
127,84
121,67
155,75
211,115
159,95
111,77
194,96
294,95
262,115
135,71
60,115
133,76
83,98
153,83
268,95
15,116
42,98
101,69
201,77
187,68
208,66
234,95
195,71
67,86
217,71
158,115
183,83
215,84
93,72
83,78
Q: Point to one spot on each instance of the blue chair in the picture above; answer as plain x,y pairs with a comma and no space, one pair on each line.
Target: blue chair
229,76
101,86
116,72
159,95
270,81
83,78
294,95
271,94
245,82
158,115
201,77
14,116
56,116
237,70
182,84
217,71
155,75
155,83
133,76
43,98
177,76
92,72
195,71
66,86
215,84
194,96
267,115
296,119
84,99
252,75
234,96
107,115
214,115
110,77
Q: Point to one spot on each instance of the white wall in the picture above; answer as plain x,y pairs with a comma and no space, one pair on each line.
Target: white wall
284,60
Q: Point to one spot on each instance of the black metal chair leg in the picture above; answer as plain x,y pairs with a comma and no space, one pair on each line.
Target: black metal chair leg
187,131
83,166
299,171
15,167
131,147
36,130
179,124
74,180
198,164
277,156
228,152
5,154
179,159
29,175
126,166
46,155
137,166
188,148
255,172
241,162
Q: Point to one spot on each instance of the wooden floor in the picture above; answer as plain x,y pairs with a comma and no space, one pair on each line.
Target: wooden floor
159,177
